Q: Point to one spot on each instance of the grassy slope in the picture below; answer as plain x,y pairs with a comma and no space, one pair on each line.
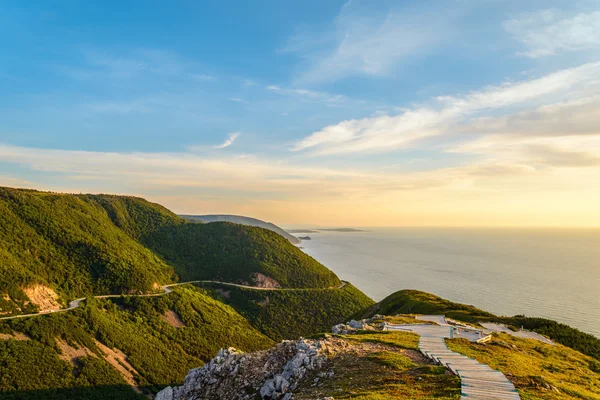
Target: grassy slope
534,367
288,314
381,366
160,353
232,253
416,302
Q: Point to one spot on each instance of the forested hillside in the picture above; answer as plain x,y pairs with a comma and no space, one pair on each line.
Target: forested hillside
69,243
235,253
78,245
77,354
238,219
289,314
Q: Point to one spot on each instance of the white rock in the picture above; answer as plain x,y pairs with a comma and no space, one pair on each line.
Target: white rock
165,394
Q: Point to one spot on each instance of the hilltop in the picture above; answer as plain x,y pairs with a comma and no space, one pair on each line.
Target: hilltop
238,219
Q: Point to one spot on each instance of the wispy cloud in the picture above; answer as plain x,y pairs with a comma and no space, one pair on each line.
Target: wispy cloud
364,43
137,64
387,133
229,141
308,95
549,32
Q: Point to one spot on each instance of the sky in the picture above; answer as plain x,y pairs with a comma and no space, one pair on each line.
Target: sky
328,113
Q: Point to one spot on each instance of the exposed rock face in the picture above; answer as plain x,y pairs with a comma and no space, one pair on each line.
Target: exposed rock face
270,375
264,281
42,296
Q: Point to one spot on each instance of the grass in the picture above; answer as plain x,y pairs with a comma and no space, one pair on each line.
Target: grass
403,340
393,360
417,302
535,368
372,370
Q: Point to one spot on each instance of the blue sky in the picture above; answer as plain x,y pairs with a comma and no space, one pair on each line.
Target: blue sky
304,112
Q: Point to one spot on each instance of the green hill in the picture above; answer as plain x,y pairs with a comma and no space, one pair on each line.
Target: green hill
238,219
235,253
417,302
69,243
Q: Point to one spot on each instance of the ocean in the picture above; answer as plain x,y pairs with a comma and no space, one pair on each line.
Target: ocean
550,273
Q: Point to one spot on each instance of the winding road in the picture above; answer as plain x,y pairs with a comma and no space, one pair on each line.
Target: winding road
166,290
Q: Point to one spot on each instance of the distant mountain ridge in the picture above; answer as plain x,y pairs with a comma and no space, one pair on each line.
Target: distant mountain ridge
238,219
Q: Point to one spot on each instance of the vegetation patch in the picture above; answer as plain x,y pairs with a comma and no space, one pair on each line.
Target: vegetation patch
369,370
403,340
288,314
229,252
152,354
538,370
417,302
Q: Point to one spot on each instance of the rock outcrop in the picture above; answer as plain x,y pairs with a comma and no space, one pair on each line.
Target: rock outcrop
270,374
353,326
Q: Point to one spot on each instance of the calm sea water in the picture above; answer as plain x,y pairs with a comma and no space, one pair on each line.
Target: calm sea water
544,273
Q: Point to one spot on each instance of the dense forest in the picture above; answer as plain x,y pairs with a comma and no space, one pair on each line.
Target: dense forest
233,253
289,314
69,243
417,302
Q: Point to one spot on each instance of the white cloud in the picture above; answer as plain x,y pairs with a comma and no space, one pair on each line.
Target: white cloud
229,141
549,32
565,118
387,133
536,151
235,99
308,95
362,43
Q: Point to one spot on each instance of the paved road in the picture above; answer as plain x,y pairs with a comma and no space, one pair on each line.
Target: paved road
166,289
478,381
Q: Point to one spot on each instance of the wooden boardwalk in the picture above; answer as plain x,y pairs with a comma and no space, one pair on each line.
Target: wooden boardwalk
478,381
